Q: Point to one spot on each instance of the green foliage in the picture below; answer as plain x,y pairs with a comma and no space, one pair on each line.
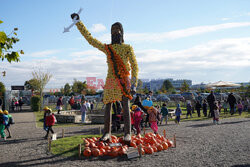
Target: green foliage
35,103
79,87
31,84
6,46
67,89
184,87
2,88
167,87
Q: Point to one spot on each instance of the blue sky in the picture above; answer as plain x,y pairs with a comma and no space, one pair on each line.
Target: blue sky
204,41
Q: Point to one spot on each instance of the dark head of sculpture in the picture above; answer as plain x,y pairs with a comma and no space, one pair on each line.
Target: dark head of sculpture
117,33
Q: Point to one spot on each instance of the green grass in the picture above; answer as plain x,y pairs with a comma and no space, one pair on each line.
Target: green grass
68,146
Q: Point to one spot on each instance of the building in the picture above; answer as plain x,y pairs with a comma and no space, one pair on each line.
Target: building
156,84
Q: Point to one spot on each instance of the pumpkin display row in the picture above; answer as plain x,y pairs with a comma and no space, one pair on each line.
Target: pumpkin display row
150,143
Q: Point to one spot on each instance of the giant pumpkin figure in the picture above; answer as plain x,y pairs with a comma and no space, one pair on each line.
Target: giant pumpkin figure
118,86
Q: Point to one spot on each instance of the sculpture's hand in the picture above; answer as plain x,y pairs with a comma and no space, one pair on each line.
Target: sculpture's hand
75,16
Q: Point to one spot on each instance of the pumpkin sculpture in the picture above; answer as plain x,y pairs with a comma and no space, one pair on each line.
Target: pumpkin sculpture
150,143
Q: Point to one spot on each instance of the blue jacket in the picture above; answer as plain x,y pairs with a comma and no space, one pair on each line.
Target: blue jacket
178,111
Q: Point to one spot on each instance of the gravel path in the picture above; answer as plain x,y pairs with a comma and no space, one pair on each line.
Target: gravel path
199,143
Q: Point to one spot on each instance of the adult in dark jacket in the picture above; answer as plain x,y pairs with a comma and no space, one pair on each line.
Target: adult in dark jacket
232,102
211,100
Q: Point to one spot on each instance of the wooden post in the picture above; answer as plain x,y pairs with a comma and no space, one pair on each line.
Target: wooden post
140,150
144,131
100,130
49,142
79,150
164,133
174,140
62,133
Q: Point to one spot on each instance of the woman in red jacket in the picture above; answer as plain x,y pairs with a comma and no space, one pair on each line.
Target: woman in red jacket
50,121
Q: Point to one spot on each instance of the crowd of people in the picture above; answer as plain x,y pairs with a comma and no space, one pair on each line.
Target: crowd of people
16,104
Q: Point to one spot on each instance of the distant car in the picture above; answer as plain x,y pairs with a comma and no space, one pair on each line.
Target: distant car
163,97
176,97
189,95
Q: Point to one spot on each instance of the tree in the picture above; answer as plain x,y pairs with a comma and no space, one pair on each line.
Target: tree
40,80
167,86
2,91
184,87
79,87
67,89
6,44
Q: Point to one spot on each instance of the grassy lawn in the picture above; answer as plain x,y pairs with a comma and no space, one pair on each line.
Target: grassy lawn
68,146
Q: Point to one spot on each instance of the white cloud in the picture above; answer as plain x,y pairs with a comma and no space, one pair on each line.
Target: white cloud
225,19
158,37
211,61
97,28
40,54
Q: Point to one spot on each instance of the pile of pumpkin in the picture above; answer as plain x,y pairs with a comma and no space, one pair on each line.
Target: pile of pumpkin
149,144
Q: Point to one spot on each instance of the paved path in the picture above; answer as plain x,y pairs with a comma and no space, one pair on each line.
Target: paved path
199,144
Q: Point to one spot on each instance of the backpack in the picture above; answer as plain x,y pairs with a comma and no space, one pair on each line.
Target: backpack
11,121
1,119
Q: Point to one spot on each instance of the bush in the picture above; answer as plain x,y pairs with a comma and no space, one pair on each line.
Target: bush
35,103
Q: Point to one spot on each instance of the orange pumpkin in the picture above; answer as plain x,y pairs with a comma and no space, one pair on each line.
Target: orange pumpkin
149,150
87,152
139,142
92,145
133,144
165,145
94,138
96,152
155,148
101,145
103,151
170,143
159,147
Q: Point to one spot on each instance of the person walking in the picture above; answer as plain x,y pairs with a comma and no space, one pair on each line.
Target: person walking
198,108
216,113
189,109
50,121
83,110
152,111
45,114
225,106
91,106
178,113
211,100
204,107
10,121
20,103
72,102
232,102
3,123
59,105
138,115
240,107
164,113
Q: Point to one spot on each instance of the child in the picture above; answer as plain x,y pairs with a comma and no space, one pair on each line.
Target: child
240,107
178,114
198,108
50,121
3,123
153,119
189,109
216,113
225,106
132,120
204,108
84,110
164,113
138,115
46,113
10,121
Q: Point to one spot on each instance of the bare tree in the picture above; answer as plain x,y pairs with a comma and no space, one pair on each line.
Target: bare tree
41,78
